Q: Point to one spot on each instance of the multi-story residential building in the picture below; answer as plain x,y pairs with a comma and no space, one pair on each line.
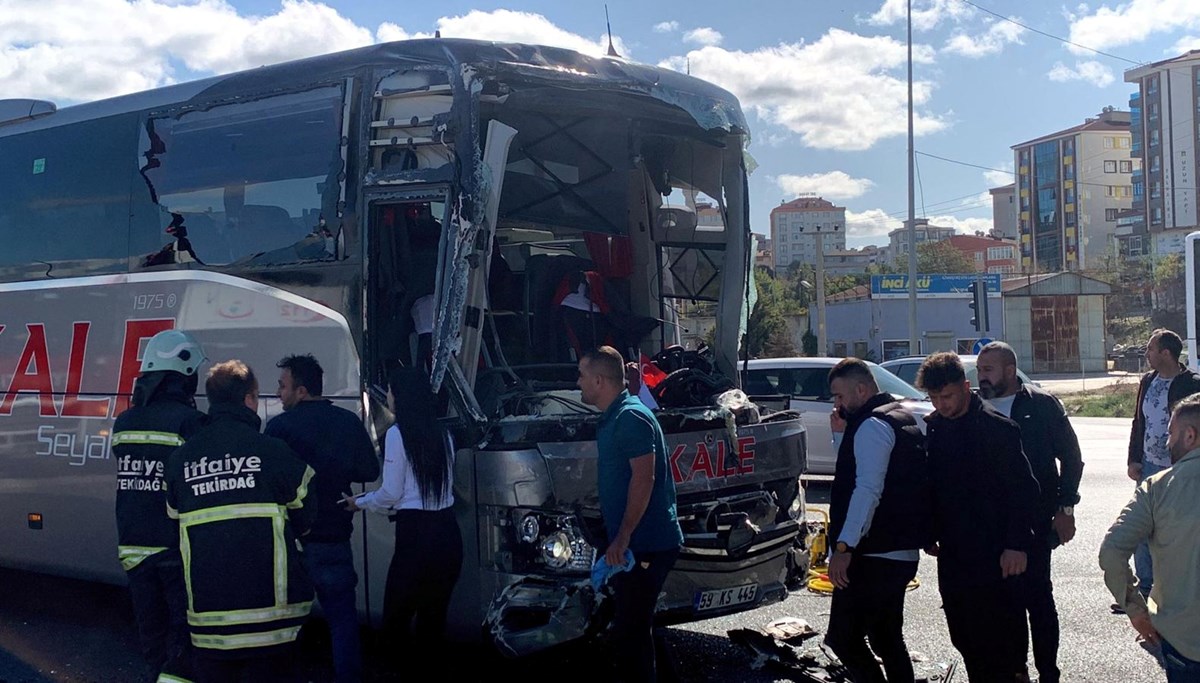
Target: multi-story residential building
797,225
764,254
1165,141
1132,238
1070,186
850,261
897,249
1004,211
989,254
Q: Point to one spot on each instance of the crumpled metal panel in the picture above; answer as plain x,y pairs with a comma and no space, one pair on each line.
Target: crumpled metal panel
533,614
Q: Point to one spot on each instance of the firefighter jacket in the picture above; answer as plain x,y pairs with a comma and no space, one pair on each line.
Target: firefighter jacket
143,438
241,499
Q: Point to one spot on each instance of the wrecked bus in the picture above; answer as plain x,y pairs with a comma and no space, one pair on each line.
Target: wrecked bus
483,210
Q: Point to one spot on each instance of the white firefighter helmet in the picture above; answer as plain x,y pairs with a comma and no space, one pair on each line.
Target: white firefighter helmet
174,351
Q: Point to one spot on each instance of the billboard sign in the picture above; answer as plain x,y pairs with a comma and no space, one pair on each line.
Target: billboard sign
938,286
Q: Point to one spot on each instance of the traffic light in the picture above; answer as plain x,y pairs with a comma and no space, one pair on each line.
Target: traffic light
978,304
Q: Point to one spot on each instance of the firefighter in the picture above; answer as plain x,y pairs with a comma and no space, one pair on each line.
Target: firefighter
241,499
162,417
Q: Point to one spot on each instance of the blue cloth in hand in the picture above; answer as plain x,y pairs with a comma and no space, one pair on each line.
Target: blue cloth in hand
602,570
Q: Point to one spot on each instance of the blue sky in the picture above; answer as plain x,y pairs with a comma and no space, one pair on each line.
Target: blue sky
822,81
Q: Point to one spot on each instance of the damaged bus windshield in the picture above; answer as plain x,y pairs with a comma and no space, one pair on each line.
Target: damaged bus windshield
485,212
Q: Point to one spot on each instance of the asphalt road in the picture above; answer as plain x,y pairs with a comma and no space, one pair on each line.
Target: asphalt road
60,630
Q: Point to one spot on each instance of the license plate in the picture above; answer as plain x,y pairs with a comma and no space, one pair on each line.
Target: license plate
726,597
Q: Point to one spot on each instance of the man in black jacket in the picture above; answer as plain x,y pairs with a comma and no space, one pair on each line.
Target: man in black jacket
984,497
879,518
241,499
162,417
1046,437
334,442
1167,383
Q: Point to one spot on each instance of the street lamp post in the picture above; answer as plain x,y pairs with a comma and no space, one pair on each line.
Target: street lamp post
913,348
819,239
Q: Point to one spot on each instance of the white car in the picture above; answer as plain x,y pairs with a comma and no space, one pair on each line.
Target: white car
906,369
806,382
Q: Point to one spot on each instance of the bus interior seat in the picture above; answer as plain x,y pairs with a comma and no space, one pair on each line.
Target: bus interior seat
543,273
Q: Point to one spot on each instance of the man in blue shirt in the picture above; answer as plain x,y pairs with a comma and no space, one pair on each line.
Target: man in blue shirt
637,501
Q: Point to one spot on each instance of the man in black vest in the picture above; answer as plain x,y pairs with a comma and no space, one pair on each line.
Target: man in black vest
879,519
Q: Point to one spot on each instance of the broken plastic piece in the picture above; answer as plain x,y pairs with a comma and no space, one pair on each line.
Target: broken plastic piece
790,630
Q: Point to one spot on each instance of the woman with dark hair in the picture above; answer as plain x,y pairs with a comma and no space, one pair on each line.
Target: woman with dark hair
417,494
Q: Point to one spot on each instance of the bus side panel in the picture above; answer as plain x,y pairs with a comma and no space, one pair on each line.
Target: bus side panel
69,352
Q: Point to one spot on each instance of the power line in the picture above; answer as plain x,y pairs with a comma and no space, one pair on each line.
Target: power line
1050,35
963,163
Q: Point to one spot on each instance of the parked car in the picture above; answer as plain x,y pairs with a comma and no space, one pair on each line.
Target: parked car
806,382
906,369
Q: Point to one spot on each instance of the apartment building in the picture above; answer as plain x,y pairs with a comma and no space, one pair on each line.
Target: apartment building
1071,185
797,225
1166,130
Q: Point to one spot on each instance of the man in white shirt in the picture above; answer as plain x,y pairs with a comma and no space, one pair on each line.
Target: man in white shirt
880,516
1168,382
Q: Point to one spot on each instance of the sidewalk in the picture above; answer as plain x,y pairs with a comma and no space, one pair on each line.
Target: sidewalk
1065,383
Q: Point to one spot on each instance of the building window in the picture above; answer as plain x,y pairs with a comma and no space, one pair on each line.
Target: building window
979,257
1154,137
895,348
1108,142
1156,164
839,349
1123,142
1110,166
1127,167
860,349
999,253
1156,190
1110,215
1156,216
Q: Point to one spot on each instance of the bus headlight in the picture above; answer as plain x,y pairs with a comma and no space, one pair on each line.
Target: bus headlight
529,529
548,541
556,550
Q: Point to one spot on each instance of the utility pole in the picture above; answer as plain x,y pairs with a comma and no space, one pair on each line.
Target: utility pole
914,347
822,349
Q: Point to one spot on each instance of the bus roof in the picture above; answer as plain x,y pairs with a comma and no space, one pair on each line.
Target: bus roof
710,106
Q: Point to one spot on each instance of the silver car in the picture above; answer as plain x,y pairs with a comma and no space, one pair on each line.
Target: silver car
906,369
805,381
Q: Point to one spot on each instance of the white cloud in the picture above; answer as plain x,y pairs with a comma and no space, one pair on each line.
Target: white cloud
703,36
666,27
1185,44
873,225
836,93
926,14
832,185
79,50
508,26
869,226
998,178
389,32
85,49
967,226
990,42
1090,71
1131,22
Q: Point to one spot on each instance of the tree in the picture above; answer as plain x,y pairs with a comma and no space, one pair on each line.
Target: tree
942,257
767,333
